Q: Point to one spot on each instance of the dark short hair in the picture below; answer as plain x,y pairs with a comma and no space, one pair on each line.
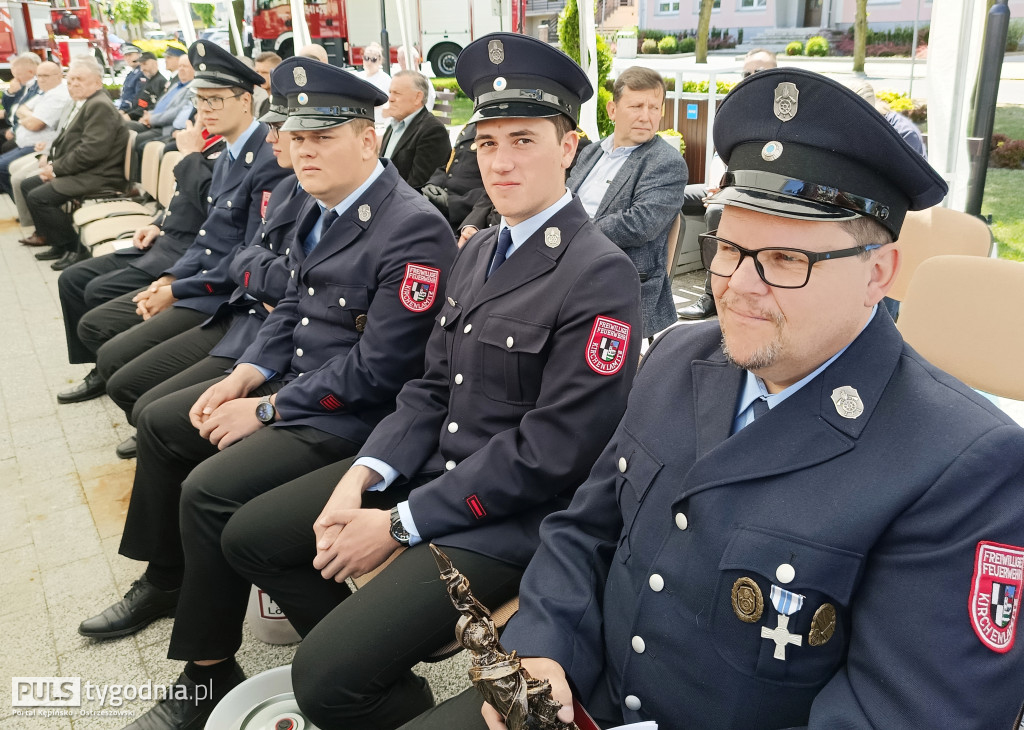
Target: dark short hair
147,56
563,125
638,78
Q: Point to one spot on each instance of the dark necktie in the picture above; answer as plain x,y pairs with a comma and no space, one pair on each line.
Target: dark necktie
760,407
329,218
504,243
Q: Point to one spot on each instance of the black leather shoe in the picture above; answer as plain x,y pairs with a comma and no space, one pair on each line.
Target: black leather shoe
176,713
51,254
143,604
92,387
700,309
128,448
71,258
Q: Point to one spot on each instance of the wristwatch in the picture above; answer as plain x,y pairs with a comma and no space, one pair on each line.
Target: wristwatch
265,411
398,531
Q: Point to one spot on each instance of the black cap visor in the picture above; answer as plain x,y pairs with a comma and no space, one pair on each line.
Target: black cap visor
779,204
298,123
513,109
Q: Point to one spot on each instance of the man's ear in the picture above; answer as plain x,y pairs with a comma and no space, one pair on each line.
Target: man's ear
885,266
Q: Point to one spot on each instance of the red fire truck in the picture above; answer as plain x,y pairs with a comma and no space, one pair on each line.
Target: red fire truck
440,28
54,32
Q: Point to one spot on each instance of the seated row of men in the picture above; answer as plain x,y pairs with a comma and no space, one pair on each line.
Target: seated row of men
323,377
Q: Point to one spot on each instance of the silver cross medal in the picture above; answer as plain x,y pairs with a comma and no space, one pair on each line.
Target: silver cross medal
786,603
781,636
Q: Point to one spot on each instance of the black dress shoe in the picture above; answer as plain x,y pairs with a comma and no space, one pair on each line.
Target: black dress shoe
143,604
700,309
127,449
187,713
92,387
51,254
71,258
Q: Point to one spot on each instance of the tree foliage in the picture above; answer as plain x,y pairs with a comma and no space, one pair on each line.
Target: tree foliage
133,13
569,38
205,13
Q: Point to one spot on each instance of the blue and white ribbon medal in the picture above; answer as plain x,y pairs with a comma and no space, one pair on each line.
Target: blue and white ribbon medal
786,603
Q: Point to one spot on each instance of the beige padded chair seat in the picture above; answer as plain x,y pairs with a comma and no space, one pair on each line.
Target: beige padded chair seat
110,228
151,156
937,232
982,344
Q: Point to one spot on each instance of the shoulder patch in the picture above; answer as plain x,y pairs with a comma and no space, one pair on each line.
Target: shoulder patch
606,348
419,287
264,203
995,594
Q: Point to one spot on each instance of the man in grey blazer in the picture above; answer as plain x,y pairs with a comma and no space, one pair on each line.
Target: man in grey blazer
632,185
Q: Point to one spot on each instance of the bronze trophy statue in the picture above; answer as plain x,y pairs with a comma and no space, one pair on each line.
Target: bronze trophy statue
524,702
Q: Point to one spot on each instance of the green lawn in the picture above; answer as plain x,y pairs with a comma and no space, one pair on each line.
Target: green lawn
1003,200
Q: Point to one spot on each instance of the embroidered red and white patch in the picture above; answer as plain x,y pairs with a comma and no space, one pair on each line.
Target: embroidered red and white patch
264,203
419,287
995,594
606,348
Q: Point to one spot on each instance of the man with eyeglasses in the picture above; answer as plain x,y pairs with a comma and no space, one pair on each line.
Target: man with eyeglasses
194,287
799,521
37,119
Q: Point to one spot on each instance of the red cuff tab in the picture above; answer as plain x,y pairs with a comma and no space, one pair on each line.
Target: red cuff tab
475,506
330,402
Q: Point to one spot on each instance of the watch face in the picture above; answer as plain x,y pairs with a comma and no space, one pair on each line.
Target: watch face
265,412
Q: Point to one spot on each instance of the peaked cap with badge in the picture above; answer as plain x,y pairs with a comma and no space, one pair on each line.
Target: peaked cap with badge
216,68
277,110
800,145
320,95
512,75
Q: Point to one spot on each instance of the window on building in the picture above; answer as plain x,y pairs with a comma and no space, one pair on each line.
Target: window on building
753,4
717,5
670,7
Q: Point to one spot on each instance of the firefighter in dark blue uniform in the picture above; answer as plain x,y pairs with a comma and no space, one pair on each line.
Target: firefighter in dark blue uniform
799,522
198,283
88,284
528,370
260,271
327,364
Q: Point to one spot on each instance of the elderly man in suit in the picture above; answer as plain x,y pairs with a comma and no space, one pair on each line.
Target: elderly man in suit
632,185
86,157
416,141
799,521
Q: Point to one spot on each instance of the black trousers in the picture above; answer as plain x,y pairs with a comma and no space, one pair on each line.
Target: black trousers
53,223
209,368
354,666
88,284
184,493
155,365
118,335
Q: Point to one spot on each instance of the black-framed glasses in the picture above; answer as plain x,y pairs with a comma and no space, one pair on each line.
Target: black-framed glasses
212,103
782,268
274,132
372,59
745,74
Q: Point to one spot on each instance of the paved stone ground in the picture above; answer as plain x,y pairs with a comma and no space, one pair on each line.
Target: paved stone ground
63,497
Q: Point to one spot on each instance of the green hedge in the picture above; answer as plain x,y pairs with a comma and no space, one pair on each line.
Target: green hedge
440,84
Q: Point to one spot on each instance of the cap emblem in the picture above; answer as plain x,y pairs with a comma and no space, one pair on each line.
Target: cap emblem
847,401
299,74
200,49
202,67
786,95
500,83
771,151
496,52
302,98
